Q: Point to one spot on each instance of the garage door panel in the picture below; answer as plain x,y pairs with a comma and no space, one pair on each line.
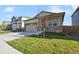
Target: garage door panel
31,28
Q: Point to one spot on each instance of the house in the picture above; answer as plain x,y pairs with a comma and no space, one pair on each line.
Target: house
75,21
45,21
17,22
75,18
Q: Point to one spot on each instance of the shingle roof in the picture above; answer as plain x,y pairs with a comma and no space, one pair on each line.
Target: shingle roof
16,17
50,13
29,19
25,16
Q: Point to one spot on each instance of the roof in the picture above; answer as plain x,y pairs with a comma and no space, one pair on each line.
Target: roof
29,19
49,13
25,16
17,17
75,11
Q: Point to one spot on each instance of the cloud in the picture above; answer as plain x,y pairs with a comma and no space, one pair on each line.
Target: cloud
58,9
9,9
8,16
55,9
74,7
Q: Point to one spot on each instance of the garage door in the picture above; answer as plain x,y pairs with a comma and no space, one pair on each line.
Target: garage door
31,28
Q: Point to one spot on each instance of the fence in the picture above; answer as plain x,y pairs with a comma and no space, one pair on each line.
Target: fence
70,29
63,29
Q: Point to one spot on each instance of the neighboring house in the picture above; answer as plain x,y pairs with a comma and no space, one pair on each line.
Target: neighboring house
45,21
75,18
17,22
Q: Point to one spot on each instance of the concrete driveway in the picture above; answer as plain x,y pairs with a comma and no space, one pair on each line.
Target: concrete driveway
5,48
12,36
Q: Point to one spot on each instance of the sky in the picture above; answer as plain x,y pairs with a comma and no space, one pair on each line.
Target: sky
7,11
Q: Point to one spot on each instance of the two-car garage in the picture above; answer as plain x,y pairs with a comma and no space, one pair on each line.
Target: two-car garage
32,27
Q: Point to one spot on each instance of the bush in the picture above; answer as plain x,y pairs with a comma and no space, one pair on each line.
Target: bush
32,35
13,30
52,33
47,35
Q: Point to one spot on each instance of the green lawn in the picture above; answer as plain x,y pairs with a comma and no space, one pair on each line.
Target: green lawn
54,44
4,32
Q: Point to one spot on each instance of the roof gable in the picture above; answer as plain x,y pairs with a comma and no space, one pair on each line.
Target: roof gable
15,17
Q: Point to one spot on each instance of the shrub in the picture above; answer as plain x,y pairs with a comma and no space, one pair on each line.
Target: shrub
13,30
52,33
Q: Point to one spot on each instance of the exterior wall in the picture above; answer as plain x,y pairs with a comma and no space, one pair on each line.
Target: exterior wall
44,22
58,24
22,21
14,25
19,25
75,18
41,22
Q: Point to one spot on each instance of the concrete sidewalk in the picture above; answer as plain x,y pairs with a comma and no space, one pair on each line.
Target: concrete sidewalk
6,49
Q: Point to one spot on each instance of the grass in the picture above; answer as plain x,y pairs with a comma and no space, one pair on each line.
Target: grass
4,32
52,44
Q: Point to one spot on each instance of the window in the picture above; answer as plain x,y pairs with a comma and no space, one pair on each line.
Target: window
54,24
50,24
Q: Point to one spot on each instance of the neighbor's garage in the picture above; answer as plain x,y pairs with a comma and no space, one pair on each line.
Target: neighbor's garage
32,27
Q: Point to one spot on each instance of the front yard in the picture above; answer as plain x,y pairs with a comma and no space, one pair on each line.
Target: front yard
52,44
4,32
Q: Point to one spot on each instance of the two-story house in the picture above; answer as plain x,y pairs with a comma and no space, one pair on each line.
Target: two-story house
45,21
17,23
